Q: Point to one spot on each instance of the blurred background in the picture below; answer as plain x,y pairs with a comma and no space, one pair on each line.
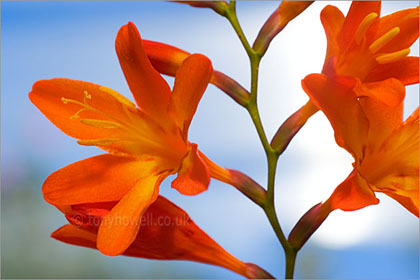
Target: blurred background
42,40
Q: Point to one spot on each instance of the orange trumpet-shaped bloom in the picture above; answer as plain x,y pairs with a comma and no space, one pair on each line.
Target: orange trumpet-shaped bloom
145,143
167,233
361,91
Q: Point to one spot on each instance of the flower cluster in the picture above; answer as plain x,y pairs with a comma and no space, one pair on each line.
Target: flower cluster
112,200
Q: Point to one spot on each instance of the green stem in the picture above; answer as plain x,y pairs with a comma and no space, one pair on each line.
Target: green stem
290,262
272,156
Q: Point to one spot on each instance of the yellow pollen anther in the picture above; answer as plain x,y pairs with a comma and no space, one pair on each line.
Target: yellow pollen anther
87,95
98,142
364,26
384,39
64,100
100,123
392,57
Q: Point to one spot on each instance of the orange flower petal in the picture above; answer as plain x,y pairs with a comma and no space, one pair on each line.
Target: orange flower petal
352,194
390,92
410,200
100,178
193,177
167,233
149,89
56,99
394,169
191,81
332,19
357,12
74,235
120,226
406,70
165,58
340,105
408,22
383,119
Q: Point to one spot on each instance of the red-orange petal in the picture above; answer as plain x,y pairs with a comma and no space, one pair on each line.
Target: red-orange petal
54,98
352,194
408,22
167,233
193,177
394,169
74,235
99,178
120,226
165,58
357,12
390,92
191,81
332,19
406,70
149,89
339,103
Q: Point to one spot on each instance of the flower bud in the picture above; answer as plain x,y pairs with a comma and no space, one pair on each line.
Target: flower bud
219,7
308,224
287,11
166,59
291,126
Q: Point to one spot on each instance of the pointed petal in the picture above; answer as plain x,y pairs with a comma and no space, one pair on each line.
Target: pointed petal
339,103
120,226
332,19
406,70
191,81
193,177
394,170
357,12
167,233
408,22
390,92
383,119
149,89
100,178
352,194
383,107
409,200
57,98
73,235
165,58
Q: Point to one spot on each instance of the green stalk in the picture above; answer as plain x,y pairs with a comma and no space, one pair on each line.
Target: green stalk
272,156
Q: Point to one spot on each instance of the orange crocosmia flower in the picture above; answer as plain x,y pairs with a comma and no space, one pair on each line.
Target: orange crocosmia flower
361,91
145,143
167,233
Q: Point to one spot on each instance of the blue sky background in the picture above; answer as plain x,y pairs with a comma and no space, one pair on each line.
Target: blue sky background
41,40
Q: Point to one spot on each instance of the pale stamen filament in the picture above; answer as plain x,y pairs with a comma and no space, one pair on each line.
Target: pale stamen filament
384,39
364,26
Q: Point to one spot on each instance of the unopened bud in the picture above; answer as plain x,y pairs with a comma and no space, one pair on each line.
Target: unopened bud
291,126
248,186
219,7
308,224
253,271
287,11
166,59
230,87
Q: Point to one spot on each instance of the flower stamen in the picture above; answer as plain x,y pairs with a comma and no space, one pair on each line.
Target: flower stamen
98,142
392,57
100,123
364,26
384,39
